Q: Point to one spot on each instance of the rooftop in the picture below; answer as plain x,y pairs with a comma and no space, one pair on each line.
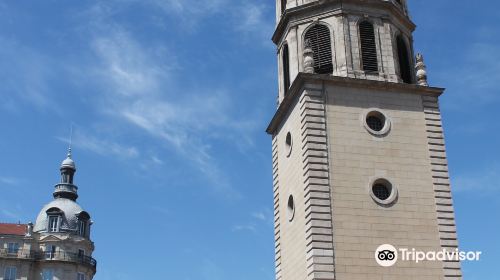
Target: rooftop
13,229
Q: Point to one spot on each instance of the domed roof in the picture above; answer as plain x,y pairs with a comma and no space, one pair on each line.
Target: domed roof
70,212
68,162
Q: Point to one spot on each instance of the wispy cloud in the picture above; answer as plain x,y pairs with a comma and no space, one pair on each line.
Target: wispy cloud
245,227
156,160
481,59
9,181
259,219
485,182
252,19
259,215
102,147
25,74
476,74
188,13
140,89
190,7
138,85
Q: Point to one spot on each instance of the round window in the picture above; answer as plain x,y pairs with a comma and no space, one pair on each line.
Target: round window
288,144
376,122
290,208
383,192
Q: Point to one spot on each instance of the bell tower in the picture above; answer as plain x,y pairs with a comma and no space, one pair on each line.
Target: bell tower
358,150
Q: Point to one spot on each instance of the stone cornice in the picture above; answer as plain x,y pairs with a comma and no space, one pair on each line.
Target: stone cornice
294,13
303,78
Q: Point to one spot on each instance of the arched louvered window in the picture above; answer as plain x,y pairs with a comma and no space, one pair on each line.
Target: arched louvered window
368,47
321,44
286,68
283,6
404,60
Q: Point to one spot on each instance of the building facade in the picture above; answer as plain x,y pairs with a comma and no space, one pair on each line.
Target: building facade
358,150
58,245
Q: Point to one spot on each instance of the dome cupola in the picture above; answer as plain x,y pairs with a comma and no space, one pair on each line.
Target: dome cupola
64,214
66,188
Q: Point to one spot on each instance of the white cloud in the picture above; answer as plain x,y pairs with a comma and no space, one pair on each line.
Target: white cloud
9,181
480,182
156,160
136,84
259,216
483,71
128,68
139,88
245,227
252,20
251,17
190,7
25,75
102,147
475,76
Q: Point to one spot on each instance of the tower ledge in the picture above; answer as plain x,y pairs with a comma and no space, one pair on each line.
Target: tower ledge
303,78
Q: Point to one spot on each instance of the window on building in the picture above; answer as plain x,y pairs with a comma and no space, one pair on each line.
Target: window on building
82,228
53,223
50,251
12,248
48,274
81,253
368,47
80,276
381,191
286,69
83,224
10,273
290,208
321,44
288,144
384,192
404,60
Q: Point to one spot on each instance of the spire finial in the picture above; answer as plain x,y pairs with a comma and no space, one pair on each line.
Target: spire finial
421,71
70,140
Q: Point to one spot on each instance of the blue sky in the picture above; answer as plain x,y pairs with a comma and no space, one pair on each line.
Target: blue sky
169,101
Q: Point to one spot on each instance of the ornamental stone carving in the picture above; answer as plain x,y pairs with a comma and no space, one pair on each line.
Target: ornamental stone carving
308,57
421,71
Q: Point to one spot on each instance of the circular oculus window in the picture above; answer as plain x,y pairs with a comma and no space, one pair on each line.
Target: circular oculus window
288,144
383,192
376,122
290,207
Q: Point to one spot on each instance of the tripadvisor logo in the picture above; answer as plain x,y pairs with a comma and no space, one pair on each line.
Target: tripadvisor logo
387,255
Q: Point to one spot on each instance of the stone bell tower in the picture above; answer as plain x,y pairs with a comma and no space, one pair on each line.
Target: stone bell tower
358,150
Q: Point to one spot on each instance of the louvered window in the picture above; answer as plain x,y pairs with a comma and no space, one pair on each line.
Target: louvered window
321,44
283,6
404,60
368,47
286,69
